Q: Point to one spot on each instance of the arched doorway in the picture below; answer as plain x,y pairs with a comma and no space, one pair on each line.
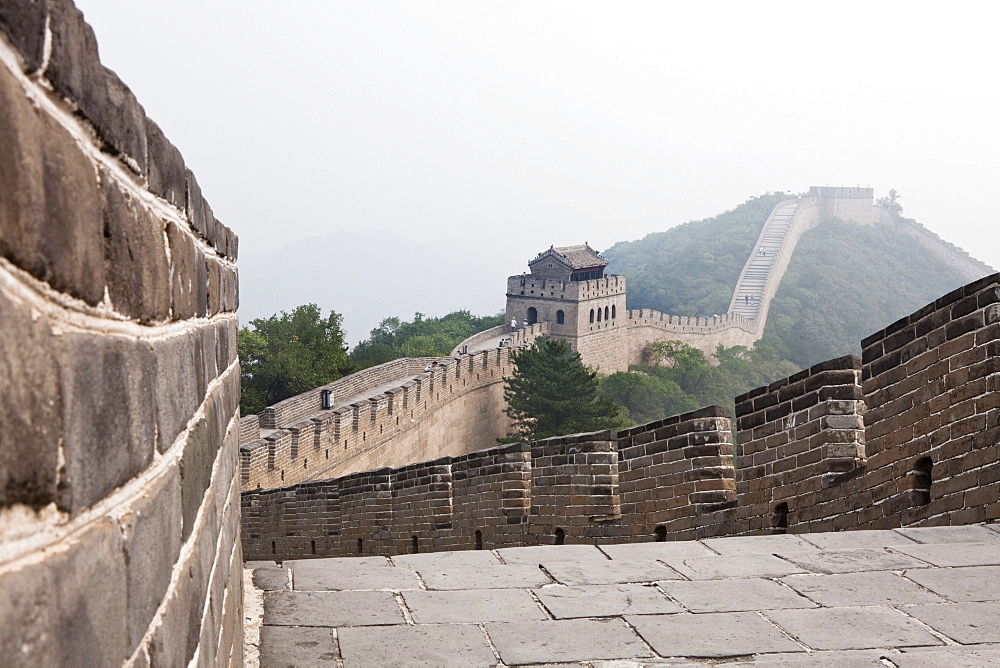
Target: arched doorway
532,315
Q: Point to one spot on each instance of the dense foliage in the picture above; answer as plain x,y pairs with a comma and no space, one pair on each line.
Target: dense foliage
551,393
846,281
682,379
424,337
290,353
691,269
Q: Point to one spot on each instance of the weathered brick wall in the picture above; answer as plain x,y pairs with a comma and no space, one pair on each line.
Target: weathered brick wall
119,382
564,489
909,437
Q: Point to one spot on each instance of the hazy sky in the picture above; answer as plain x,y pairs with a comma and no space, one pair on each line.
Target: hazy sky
504,127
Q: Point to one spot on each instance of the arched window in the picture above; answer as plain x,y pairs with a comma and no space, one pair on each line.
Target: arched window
560,317
479,539
591,315
560,537
532,315
614,310
661,534
605,312
599,315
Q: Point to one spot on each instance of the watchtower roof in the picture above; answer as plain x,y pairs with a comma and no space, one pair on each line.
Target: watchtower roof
581,256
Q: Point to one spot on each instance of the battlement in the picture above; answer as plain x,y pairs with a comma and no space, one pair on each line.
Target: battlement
840,192
385,415
540,288
907,436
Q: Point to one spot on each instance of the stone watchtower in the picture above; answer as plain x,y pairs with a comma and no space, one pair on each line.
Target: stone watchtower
568,289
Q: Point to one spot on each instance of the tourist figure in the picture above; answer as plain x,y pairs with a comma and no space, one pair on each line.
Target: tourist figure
746,299
513,324
431,366
525,323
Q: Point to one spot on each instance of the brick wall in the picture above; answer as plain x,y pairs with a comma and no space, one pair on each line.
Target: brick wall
908,436
119,383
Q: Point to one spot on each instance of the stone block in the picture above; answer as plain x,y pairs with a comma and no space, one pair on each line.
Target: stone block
455,646
24,25
22,191
607,572
503,577
733,595
186,267
482,605
135,256
165,167
331,608
973,583
667,551
967,623
565,641
71,233
67,609
298,646
179,388
853,589
151,531
852,628
357,573
110,432
176,636
605,601
850,561
271,578
738,566
954,554
712,635
30,409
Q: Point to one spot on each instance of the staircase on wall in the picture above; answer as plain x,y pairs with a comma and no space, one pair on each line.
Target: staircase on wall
751,290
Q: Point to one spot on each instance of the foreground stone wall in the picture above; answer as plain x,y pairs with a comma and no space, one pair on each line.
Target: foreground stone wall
119,381
908,436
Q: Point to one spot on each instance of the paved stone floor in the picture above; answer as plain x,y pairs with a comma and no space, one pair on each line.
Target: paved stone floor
908,597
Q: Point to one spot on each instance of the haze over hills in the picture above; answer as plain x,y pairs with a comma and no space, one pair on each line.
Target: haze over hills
844,282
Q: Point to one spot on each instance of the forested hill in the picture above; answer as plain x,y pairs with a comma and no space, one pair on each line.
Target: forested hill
844,281
691,269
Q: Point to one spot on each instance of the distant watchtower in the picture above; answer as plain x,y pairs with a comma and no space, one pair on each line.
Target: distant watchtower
568,289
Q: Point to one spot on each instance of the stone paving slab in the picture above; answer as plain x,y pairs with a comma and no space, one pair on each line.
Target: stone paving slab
513,576
298,646
952,657
331,608
734,595
269,578
739,566
853,658
533,555
608,572
478,605
967,623
751,606
711,635
973,583
852,628
839,540
458,645
954,554
668,551
853,589
973,533
605,601
353,573
447,560
785,543
850,561
565,640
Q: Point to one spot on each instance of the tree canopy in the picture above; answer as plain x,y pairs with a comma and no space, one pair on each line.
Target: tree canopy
424,337
290,353
551,393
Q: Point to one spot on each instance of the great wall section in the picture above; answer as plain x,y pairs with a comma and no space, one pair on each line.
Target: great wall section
119,493
131,492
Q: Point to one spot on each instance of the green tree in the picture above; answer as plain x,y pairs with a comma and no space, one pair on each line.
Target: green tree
290,353
552,393
424,337
891,202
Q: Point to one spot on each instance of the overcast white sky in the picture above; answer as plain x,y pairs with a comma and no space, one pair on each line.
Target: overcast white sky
510,126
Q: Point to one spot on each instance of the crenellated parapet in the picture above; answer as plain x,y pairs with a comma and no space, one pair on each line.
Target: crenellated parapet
907,436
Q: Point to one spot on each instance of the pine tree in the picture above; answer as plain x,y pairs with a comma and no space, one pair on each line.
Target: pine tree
552,393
